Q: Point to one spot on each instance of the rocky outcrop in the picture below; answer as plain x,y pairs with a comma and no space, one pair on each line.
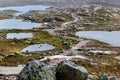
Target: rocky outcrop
68,70
35,70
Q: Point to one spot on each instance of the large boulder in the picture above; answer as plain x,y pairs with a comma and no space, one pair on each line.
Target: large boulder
36,70
68,70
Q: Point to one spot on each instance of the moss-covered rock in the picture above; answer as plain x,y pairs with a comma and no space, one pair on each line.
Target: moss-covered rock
67,70
35,70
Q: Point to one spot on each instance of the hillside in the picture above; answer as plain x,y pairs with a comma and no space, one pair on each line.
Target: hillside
111,3
4,3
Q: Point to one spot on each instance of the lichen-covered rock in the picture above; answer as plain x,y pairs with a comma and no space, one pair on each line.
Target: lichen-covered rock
36,70
68,70
103,76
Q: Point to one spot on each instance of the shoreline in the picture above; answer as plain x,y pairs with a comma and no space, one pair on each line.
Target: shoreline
85,52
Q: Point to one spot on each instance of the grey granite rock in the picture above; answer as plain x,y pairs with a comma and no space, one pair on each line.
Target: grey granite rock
36,70
68,70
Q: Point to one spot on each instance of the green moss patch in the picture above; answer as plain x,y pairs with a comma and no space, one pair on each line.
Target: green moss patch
11,46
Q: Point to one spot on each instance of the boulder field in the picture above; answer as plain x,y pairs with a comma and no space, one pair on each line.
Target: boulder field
66,70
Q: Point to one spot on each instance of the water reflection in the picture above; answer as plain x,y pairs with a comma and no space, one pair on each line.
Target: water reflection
38,47
19,35
104,36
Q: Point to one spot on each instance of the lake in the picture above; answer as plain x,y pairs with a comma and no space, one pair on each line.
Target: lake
19,35
19,23
38,47
24,9
112,38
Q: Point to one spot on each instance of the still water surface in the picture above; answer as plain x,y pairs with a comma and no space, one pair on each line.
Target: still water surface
19,35
38,47
112,38
18,23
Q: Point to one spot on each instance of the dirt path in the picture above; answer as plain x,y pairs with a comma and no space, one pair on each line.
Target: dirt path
76,46
63,26
66,23
53,31
80,44
10,70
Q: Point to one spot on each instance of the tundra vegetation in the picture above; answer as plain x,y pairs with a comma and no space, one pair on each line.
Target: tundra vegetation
11,47
64,22
7,14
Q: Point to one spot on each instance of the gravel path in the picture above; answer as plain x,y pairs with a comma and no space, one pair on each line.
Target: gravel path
10,70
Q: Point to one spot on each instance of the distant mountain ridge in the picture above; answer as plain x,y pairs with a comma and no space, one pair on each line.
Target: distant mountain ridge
112,3
4,3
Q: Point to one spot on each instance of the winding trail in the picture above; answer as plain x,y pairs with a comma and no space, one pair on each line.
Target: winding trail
66,23
63,26
73,48
80,44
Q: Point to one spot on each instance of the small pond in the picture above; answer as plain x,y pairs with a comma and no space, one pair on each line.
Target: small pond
19,35
38,47
112,37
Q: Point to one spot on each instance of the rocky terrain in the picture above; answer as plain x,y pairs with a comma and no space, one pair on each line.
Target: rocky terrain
36,70
93,17
49,70
111,3
66,70
92,59
7,14
40,70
